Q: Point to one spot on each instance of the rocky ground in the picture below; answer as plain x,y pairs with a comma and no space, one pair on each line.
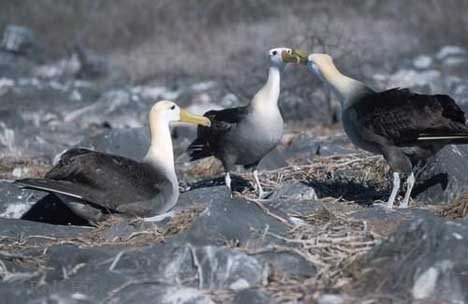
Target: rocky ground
322,236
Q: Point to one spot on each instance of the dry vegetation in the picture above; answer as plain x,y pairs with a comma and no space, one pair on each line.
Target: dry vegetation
17,167
456,210
331,239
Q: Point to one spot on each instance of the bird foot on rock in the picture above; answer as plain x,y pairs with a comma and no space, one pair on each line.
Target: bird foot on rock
233,194
389,204
385,204
263,194
404,204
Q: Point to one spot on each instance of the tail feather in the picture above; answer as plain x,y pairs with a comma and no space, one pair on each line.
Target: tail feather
70,189
59,187
452,138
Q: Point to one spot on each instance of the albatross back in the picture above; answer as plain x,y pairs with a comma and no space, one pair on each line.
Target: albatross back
104,180
404,117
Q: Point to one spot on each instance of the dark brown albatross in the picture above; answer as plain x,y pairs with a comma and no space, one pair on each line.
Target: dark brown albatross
403,126
90,182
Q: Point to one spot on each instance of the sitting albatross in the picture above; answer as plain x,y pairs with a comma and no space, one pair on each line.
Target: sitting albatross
244,135
403,126
90,182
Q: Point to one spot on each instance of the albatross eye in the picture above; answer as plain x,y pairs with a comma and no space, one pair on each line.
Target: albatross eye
274,53
173,107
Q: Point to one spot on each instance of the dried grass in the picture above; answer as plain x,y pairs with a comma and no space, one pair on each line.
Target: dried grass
331,246
456,210
331,242
15,167
182,221
204,168
328,239
360,168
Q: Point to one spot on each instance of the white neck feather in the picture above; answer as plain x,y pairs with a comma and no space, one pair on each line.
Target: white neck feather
160,153
344,86
266,99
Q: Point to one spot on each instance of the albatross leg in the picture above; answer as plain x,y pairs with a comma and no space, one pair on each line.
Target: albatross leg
396,187
409,187
227,181
261,194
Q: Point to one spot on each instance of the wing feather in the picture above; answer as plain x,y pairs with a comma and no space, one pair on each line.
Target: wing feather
102,179
209,139
405,117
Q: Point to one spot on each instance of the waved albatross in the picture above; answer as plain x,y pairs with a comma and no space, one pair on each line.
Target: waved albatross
244,135
90,182
403,126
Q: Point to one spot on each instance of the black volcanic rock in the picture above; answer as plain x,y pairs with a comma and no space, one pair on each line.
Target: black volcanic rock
424,260
444,178
173,272
251,296
17,228
226,219
14,201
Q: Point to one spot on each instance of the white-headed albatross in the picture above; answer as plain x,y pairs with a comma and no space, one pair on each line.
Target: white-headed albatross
244,135
403,126
90,181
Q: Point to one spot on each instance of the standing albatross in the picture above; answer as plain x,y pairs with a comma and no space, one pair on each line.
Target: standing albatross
244,135
90,182
403,126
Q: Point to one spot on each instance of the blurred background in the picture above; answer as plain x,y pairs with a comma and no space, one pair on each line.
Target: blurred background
92,65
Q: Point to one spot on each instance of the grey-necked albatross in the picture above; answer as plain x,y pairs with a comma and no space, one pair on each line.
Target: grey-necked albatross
90,181
403,126
244,135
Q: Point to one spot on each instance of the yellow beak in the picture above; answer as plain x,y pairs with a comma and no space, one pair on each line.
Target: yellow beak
186,116
302,56
289,57
295,56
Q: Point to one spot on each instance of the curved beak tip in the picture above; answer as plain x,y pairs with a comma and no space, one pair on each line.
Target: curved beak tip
186,116
294,56
301,56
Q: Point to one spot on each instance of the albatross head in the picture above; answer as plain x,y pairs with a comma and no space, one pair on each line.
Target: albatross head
318,62
160,153
315,62
281,56
322,66
168,111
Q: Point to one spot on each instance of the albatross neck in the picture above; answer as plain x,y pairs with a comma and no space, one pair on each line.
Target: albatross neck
266,99
347,88
160,153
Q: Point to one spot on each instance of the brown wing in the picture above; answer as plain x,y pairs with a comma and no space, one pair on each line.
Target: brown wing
209,139
405,117
102,179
